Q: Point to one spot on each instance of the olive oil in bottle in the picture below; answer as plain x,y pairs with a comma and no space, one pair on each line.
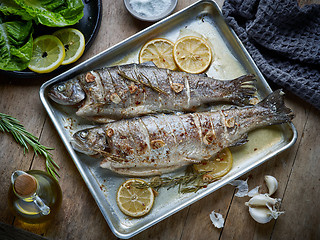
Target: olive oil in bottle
34,196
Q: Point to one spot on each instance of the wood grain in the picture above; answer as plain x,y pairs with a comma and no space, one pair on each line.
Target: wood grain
8,232
296,169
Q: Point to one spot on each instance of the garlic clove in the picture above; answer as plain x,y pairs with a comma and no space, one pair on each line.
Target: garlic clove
271,183
261,200
260,214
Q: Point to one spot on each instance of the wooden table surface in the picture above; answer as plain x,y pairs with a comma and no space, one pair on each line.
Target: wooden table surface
297,169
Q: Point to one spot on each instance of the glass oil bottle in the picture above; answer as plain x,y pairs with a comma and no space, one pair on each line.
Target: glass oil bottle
34,196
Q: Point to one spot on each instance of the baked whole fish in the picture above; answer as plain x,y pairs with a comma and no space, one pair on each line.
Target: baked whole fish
153,145
140,89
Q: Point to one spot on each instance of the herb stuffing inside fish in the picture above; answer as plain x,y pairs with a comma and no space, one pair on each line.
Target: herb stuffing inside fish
140,89
153,145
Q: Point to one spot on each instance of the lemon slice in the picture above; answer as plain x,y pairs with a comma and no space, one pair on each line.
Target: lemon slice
48,54
132,201
73,42
217,167
192,54
159,51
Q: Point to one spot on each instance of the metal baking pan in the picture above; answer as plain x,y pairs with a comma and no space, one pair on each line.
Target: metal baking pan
230,60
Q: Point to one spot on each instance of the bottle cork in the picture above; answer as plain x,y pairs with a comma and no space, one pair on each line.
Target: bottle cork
25,185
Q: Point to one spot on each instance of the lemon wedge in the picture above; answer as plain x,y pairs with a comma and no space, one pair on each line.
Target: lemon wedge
73,42
192,54
159,51
133,201
48,54
217,167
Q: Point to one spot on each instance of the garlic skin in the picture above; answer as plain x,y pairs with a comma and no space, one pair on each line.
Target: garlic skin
242,187
274,211
271,183
254,191
260,214
217,219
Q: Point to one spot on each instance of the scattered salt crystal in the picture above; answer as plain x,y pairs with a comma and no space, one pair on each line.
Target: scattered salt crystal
216,219
150,8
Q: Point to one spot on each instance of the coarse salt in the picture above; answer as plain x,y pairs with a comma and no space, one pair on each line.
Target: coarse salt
150,8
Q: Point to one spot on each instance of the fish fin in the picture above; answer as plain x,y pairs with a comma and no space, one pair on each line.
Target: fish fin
191,160
149,63
241,141
202,75
99,119
137,171
276,109
243,89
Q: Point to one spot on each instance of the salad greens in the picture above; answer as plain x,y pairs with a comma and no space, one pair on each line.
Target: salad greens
16,26
9,7
15,44
53,13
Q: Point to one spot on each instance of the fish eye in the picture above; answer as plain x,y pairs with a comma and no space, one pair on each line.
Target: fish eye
83,134
61,88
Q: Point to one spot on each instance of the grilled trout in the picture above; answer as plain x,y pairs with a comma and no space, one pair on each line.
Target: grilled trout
153,145
140,89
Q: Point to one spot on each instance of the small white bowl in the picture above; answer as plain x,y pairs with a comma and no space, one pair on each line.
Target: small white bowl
139,15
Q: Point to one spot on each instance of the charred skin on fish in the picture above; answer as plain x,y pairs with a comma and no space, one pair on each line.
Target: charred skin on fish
154,145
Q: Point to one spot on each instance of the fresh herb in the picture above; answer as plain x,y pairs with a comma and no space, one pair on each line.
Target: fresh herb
122,74
24,138
190,178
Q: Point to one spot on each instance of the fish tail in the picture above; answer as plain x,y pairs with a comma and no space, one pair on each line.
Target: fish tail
243,89
276,111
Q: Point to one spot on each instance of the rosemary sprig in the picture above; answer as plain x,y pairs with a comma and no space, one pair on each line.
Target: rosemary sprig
190,178
24,138
122,74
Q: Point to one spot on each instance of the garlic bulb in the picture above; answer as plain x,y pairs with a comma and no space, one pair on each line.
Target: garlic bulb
271,183
263,208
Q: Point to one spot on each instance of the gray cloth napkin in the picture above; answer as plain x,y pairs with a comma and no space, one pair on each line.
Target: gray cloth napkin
284,41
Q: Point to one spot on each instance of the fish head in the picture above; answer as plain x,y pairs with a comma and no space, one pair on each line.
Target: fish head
67,93
90,141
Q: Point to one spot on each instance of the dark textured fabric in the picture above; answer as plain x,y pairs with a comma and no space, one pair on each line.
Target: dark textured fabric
284,41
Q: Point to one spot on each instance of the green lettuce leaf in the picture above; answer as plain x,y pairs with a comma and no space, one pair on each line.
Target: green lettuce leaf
9,7
53,13
16,44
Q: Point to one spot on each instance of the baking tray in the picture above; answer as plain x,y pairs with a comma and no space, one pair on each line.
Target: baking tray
230,60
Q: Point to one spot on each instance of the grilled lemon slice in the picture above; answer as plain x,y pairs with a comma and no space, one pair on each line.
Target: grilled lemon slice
217,167
159,51
192,54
